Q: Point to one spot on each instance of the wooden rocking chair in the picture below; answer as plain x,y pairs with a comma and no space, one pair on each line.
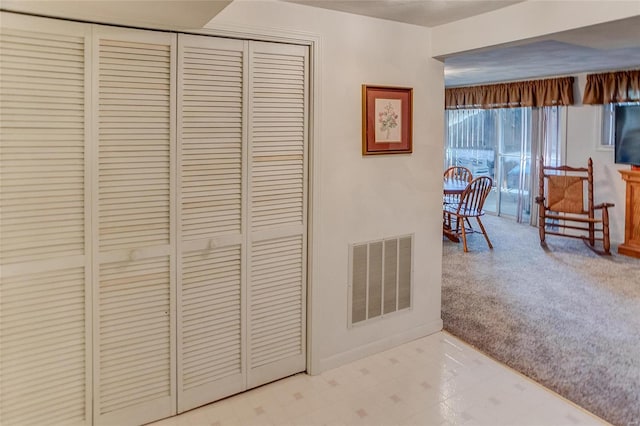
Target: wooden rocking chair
562,206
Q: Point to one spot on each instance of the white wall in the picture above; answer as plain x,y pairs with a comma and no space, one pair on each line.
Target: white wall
583,136
356,198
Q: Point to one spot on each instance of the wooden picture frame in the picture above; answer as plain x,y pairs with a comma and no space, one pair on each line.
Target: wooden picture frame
387,120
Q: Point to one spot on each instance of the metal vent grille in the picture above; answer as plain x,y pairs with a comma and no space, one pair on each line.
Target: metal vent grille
380,278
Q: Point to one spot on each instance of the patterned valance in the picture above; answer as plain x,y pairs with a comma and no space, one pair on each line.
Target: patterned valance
532,93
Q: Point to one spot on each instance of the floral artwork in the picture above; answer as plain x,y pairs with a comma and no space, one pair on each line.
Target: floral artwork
388,119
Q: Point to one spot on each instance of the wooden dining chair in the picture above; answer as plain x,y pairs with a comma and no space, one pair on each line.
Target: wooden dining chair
471,205
459,173
563,207
456,173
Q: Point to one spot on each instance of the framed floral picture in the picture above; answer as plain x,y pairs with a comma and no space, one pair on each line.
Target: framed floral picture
387,120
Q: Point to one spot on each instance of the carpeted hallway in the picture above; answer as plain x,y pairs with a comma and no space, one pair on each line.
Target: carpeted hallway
563,316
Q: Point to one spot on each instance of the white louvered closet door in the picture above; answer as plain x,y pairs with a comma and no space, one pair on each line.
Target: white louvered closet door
211,147
44,251
134,269
277,211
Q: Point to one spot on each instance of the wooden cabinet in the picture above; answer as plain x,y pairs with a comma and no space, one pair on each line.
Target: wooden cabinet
631,246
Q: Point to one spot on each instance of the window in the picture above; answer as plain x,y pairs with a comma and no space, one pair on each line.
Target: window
607,137
608,134
503,144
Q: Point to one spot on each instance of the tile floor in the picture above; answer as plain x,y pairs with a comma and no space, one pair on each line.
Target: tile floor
436,380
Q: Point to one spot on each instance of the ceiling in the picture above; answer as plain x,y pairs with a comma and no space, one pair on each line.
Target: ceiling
609,46
426,13
161,14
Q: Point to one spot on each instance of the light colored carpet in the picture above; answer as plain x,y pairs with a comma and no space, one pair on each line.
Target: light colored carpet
564,316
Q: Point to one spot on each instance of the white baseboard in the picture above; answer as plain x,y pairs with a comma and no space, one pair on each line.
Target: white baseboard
377,346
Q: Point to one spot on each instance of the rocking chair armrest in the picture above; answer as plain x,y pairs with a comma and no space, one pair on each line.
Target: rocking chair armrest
604,206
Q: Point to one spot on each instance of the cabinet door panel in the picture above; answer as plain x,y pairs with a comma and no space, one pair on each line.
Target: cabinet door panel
211,151
44,251
134,332
277,211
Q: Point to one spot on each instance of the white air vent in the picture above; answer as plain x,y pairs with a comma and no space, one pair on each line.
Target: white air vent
380,276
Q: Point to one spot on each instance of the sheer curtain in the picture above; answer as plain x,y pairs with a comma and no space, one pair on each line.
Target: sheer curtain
506,145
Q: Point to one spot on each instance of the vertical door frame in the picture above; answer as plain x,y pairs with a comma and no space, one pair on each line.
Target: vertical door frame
245,260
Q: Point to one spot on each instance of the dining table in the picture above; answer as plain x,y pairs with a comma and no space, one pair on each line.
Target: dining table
452,187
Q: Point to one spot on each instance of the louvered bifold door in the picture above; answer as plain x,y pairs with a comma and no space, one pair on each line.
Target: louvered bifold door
44,251
134,269
277,211
210,247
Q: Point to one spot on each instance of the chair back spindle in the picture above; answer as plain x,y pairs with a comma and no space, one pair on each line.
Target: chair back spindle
562,210
473,198
458,173
470,206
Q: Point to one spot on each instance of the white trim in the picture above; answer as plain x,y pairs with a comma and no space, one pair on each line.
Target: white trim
269,34
89,236
314,200
377,346
599,130
563,122
245,248
173,231
92,87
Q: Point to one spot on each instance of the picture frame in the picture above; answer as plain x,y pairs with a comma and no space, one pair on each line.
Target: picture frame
387,120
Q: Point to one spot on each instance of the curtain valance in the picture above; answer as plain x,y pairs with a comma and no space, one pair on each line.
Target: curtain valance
612,87
532,93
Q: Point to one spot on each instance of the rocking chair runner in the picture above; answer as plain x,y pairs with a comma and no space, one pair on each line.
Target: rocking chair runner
562,206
